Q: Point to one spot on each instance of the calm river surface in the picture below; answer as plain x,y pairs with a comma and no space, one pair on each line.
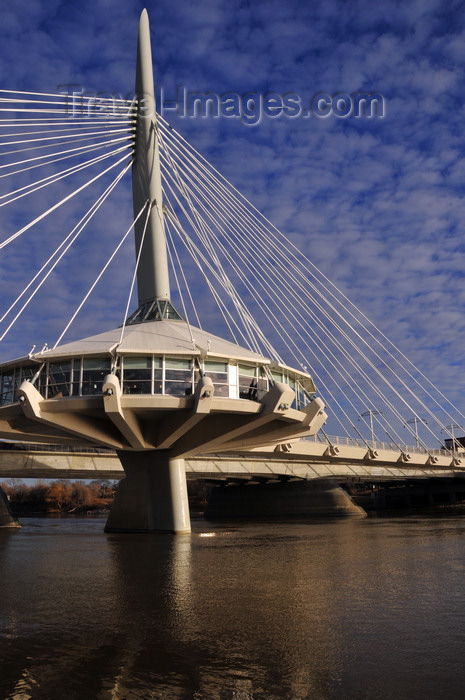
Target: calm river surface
370,608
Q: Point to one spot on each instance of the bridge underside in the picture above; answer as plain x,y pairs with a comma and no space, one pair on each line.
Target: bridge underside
295,486
26,462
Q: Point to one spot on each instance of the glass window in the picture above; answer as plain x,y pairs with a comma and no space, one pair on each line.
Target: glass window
175,388
178,363
27,373
178,376
137,316
178,369
151,312
138,363
211,366
218,373
154,311
137,375
248,382
247,371
58,379
94,371
171,313
7,387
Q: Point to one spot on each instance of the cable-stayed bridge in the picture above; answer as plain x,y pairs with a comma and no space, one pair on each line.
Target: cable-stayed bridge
237,343
343,460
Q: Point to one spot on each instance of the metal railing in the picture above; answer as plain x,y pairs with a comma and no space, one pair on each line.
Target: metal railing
331,440
375,445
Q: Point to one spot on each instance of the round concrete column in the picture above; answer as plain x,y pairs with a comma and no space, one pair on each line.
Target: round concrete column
153,495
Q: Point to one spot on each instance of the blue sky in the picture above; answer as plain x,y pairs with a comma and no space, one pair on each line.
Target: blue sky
378,204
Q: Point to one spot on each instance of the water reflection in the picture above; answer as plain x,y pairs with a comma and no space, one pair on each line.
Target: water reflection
220,620
356,609
152,577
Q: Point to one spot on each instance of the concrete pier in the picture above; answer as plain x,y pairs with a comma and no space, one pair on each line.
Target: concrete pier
153,495
295,499
6,517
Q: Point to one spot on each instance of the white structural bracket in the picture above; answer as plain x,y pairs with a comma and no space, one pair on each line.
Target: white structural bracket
125,421
35,407
177,425
253,429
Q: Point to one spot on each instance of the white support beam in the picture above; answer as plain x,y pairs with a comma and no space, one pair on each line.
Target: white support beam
79,425
126,421
176,425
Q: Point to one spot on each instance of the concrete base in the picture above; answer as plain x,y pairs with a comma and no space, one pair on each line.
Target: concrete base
6,517
152,497
295,499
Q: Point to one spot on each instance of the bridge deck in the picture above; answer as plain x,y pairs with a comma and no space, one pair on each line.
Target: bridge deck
304,459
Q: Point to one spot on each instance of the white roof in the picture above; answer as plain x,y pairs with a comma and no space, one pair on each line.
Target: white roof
158,337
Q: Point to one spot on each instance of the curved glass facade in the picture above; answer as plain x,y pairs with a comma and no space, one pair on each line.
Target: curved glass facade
147,374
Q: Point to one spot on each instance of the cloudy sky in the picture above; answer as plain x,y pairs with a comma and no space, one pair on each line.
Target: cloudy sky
376,203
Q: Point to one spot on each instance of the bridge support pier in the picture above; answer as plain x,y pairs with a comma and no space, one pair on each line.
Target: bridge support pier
6,517
294,499
153,495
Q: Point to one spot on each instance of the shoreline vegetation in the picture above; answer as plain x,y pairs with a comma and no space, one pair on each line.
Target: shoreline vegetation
77,497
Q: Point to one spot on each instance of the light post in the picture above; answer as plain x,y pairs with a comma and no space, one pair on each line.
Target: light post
450,429
415,422
371,413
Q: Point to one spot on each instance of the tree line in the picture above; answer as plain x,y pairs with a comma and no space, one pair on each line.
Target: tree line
64,496
61,496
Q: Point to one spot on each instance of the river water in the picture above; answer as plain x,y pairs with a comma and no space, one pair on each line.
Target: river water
371,608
